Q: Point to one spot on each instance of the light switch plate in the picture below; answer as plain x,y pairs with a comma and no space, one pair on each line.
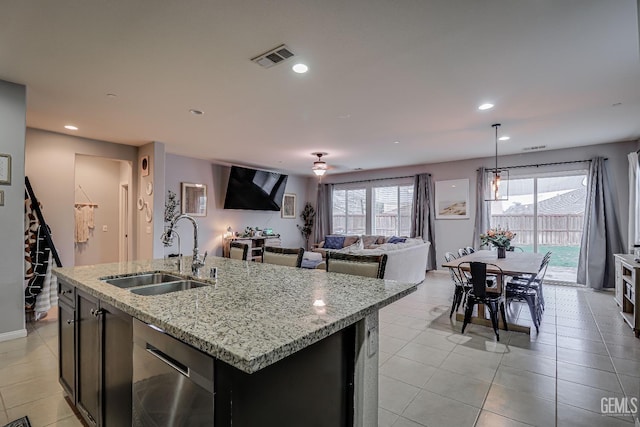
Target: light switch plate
1,197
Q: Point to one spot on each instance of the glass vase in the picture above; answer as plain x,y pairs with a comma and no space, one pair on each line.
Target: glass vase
502,252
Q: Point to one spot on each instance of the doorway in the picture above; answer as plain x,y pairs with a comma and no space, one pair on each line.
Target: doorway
547,214
103,217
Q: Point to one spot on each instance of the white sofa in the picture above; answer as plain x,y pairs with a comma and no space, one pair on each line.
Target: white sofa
406,262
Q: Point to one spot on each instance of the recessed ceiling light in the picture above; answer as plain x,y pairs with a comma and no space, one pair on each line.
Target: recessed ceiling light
486,106
196,112
396,142
300,68
504,138
70,127
111,95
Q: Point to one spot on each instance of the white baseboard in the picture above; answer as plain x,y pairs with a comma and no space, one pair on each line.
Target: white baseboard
6,336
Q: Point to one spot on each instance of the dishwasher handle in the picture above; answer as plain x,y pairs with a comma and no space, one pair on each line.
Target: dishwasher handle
183,369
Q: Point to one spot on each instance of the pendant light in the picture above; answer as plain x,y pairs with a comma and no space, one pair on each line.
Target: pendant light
499,188
319,166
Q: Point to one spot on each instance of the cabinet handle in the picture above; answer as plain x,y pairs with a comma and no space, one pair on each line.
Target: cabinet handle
66,291
70,321
96,312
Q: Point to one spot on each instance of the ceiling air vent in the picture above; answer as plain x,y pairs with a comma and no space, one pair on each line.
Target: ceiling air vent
273,56
535,147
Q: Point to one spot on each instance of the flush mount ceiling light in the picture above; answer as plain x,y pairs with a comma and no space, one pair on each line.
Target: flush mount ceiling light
504,138
499,189
196,112
300,68
71,127
486,106
319,166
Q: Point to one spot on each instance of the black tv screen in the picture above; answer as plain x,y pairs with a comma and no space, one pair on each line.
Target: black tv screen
253,189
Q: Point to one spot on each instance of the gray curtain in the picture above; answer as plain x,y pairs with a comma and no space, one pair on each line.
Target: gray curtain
601,237
322,227
633,191
482,208
422,218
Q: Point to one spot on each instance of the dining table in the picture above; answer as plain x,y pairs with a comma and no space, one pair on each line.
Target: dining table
514,264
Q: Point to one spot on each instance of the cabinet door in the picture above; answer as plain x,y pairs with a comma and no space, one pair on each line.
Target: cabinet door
67,349
117,366
88,393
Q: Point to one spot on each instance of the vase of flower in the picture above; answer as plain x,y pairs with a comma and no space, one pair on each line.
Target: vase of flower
499,238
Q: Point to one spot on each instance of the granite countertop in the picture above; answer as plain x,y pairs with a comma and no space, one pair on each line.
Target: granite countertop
254,314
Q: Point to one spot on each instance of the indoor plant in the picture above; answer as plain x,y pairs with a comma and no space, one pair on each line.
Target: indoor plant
498,237
308,215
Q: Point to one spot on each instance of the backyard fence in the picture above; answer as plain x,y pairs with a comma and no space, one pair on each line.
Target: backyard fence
553,229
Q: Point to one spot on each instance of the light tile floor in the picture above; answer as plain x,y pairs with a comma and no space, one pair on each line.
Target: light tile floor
430,374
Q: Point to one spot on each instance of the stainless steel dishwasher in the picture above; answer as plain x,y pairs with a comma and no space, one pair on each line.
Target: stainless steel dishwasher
172,382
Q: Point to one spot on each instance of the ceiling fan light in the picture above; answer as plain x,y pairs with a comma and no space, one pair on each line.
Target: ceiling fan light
319,172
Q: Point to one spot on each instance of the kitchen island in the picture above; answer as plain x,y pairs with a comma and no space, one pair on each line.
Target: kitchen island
292,346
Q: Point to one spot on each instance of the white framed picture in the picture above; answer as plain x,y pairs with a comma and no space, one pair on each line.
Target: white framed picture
452,199
5,169
289,205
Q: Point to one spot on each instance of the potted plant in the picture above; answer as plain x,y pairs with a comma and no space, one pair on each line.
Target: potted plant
308,215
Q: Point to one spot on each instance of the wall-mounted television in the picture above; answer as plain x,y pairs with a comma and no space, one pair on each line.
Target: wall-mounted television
253,189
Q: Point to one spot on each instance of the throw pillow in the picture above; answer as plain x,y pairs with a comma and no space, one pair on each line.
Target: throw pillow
334,242
395,239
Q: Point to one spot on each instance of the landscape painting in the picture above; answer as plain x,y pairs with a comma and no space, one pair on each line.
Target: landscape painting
452,199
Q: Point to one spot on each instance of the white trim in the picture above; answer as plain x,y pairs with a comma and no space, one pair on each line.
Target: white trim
6,336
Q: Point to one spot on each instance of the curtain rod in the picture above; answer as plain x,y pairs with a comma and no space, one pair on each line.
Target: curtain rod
377,179
543,164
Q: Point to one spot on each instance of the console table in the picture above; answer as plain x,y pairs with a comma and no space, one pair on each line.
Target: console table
255,243
627,286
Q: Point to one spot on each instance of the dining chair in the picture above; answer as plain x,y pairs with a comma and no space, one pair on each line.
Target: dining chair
238,250
519,288
478,294
358,265
291,257
461,285
462,252
515,249
469,250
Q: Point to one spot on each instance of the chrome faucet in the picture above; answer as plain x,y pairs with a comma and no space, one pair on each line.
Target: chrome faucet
198,260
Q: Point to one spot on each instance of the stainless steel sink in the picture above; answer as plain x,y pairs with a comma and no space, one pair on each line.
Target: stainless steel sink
142,279
165,288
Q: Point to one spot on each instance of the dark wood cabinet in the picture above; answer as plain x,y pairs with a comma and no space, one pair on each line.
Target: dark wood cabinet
95,362
67,348
88,393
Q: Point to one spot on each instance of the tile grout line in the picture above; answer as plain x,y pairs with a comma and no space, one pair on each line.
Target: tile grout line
606,346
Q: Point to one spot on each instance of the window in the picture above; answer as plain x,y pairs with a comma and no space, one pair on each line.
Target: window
547,214
392,208
349,211
376,207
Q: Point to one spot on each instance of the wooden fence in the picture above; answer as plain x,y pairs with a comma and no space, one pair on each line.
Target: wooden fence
553,229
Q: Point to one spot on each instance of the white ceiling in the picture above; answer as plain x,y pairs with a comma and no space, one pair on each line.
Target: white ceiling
412,71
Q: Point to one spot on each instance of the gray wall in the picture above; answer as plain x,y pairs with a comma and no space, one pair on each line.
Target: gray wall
12,141
453,234
50,166
99,178
213,226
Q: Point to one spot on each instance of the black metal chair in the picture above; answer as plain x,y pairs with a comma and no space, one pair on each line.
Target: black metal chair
461,284
478,294
529,290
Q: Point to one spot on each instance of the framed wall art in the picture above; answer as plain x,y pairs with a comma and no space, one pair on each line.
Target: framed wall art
5,169
289,205
452,199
